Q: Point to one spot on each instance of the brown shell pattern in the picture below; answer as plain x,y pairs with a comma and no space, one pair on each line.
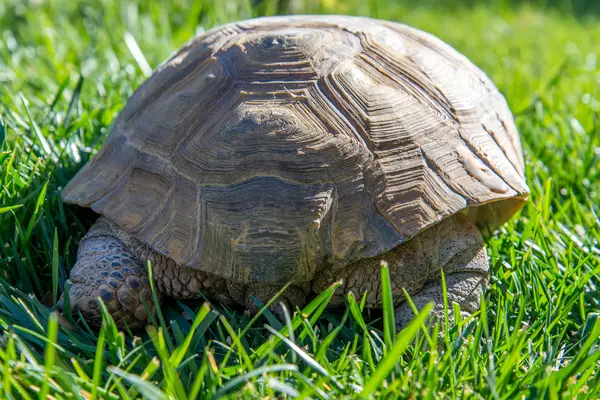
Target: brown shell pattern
267,149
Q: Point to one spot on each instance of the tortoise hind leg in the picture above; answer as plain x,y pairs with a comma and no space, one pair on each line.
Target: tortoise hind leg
107,269
464,288
462,256
454,245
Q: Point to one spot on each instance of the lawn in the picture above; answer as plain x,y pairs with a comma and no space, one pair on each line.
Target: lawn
67,68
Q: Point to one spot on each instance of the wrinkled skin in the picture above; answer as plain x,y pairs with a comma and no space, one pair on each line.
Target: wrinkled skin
111,265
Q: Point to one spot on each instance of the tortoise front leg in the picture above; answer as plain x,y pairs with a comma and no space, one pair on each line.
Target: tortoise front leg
107,269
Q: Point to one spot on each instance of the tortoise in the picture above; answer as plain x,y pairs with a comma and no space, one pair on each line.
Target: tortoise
301,150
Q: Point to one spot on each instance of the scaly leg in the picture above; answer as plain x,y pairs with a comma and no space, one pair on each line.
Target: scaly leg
111,264
464,288
107,269
454,245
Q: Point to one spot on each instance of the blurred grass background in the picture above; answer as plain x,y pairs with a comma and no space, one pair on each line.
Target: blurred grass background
67,67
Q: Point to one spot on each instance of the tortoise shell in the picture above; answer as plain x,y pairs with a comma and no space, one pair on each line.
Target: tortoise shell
268,149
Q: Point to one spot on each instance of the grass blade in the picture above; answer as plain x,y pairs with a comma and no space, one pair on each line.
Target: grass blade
55,267
257,372
9,208
147,389
50,354
98,364
33,126
36,212
180,352
403,340
311,362
2,133
137,54
389,322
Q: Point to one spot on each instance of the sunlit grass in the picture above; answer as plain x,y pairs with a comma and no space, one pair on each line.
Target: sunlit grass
67,68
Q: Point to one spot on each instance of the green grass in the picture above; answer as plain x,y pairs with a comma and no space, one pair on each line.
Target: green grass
67,68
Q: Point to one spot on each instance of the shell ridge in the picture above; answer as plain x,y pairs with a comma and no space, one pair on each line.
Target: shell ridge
414,87
474,172
493,136
328,95
432,165
514,140
192,129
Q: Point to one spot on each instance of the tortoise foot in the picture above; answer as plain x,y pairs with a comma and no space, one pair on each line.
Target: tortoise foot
107,270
